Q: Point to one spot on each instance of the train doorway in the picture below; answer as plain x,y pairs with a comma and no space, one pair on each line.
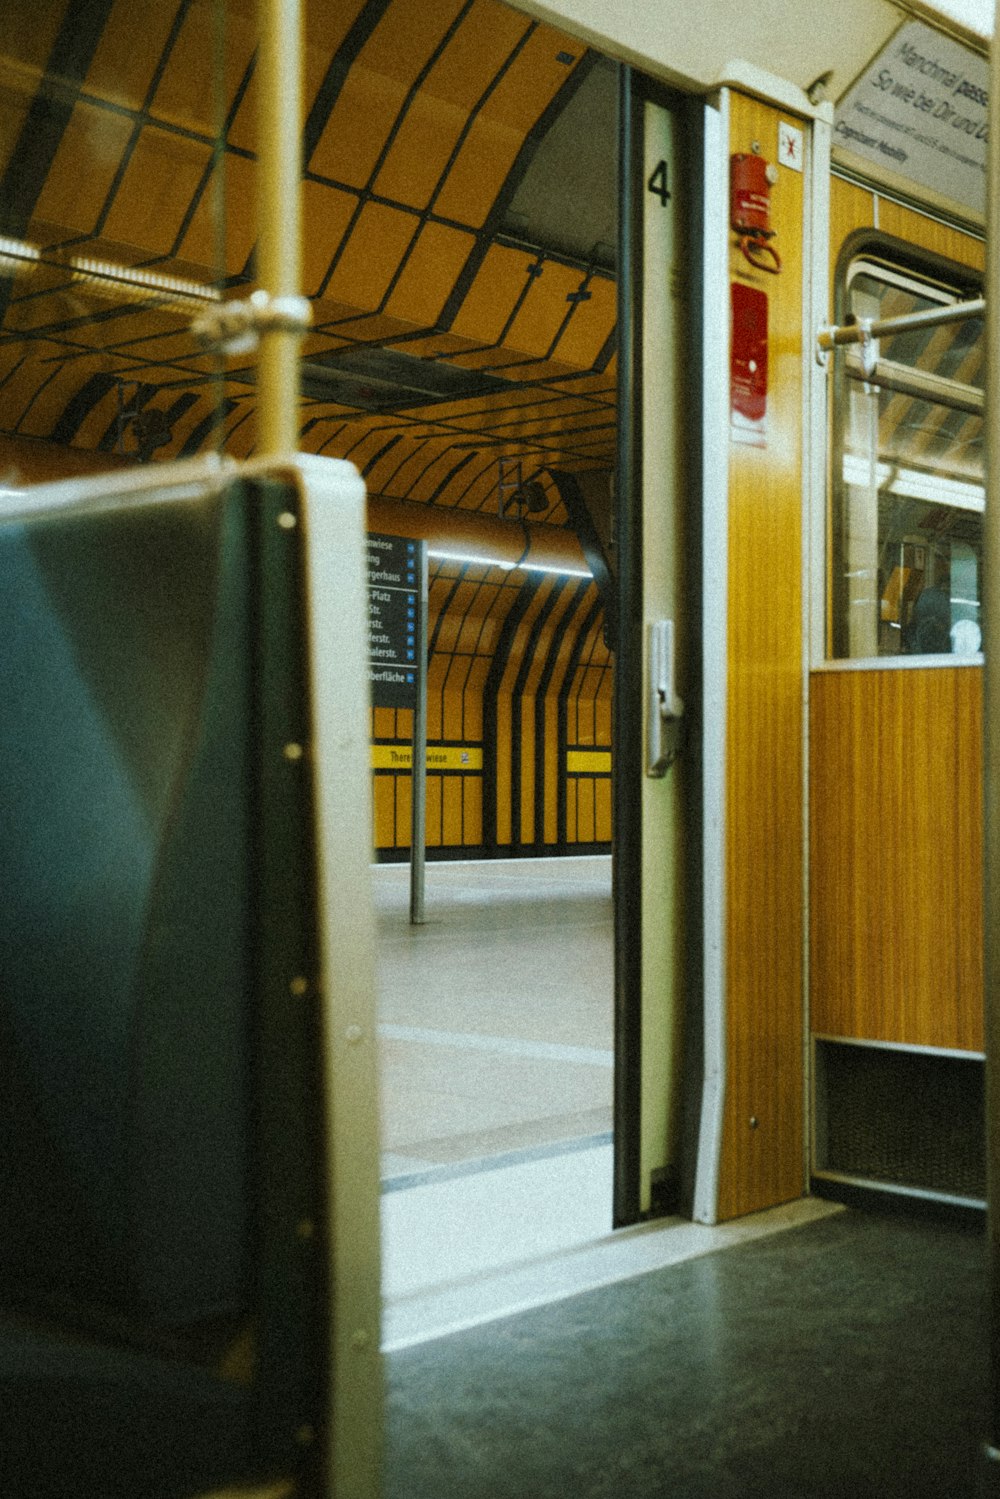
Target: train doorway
530,1030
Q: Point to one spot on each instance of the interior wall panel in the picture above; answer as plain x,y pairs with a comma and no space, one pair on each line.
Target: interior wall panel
896,856
895,819
762,1155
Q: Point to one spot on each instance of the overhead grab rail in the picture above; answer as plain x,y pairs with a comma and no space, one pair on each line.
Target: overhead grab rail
865,331
922,385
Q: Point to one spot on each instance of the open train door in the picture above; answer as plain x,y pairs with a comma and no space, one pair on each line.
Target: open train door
656,737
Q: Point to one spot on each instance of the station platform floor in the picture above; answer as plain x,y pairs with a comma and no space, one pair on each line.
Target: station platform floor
495,1015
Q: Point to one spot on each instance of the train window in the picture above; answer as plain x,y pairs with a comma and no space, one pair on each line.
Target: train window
908,476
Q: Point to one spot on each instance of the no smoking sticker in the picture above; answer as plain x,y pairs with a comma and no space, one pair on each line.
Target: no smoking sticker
790,146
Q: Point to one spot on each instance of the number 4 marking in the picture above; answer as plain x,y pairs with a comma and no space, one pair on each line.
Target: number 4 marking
657,184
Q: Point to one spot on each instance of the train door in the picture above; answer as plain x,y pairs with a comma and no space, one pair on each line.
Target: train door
655,679
616,488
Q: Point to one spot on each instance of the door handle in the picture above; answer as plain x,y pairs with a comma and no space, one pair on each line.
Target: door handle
664,709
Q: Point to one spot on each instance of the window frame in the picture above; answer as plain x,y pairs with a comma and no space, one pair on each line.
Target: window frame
936,278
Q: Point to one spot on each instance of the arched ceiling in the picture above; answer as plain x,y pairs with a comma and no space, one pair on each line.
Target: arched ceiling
459,202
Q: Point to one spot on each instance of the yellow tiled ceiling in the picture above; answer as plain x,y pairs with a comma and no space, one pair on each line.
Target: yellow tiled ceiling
376,89
191,93
130,50
421,119
433,126
28,30
84,169
163,175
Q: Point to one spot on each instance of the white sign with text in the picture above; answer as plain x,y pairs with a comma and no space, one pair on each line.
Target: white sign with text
920,110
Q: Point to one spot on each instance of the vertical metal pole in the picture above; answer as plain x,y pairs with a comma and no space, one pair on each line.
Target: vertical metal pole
418,800
279,239
991,757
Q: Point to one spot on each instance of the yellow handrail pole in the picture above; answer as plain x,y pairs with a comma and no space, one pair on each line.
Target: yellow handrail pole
279,235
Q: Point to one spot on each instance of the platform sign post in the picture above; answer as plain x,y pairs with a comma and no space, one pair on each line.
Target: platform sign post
397,660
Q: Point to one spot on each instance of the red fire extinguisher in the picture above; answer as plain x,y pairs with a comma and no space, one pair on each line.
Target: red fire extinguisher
750,182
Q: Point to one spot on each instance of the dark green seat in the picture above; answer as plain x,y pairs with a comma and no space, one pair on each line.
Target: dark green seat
162,1326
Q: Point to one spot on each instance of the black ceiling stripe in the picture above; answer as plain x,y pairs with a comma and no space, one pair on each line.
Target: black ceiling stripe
483,99
428,212
79,407
177,408
424,215
531,275
341,250
575,300
517,698
336,74
495,590
416,86
14,369
562,709
510,430
489,463
195,438
322,107
536,396
49,112
365,436
37,393
567,618
430,450
523,600
219,150
606,355
558,257
48,115
332,438
386,447
241,421
454,584
473,598
180,17
411,450
450,474
489,231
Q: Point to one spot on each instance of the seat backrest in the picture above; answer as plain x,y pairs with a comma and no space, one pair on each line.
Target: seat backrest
163,1305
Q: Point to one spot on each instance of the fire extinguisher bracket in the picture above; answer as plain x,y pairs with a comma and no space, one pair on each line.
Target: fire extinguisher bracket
751,178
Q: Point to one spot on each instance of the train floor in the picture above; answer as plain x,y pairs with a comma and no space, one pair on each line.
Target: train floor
843,1356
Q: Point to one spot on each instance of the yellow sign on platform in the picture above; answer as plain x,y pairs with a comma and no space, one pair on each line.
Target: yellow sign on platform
588,762
439,757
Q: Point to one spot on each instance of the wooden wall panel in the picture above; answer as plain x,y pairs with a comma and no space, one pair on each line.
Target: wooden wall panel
851,208
762,1156
929,234
896,856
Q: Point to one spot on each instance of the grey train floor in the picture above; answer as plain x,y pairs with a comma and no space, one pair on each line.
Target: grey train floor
843,1358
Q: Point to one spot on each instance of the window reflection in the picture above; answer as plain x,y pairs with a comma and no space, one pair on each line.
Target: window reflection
908,492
